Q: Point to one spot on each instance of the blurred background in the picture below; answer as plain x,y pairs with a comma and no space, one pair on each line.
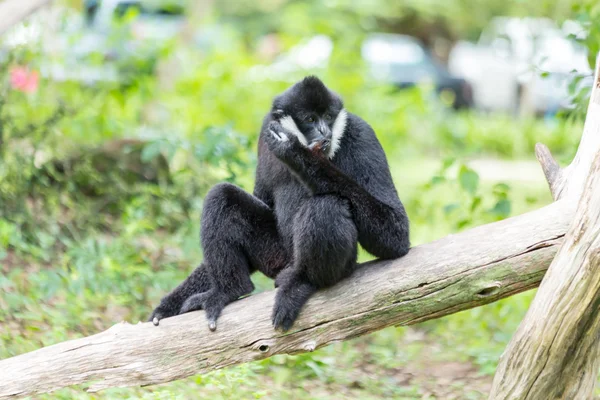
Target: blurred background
116,117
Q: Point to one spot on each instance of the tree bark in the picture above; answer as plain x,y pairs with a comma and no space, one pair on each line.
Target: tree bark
13,11
555,352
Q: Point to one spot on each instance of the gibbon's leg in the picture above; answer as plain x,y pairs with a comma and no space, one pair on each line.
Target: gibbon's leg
197,282
325,248
239,236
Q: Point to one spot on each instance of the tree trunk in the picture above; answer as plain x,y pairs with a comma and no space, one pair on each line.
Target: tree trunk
555,352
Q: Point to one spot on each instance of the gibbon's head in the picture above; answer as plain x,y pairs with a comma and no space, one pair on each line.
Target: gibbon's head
313,113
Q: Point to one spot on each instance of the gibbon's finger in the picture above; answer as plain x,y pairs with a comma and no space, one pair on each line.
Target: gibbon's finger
275,134
284,136
156,317
212,325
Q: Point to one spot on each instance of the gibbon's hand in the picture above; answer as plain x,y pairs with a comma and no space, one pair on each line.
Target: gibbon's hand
282,143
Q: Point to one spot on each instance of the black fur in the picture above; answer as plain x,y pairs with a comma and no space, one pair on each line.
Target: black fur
302,224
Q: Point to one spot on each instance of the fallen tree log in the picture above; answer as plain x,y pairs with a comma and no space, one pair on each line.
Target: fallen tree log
455,273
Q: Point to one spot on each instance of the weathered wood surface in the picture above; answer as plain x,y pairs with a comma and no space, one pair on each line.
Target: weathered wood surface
455,273
555,352
13,11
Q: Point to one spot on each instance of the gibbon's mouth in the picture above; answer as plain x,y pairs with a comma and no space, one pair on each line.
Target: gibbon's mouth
322,145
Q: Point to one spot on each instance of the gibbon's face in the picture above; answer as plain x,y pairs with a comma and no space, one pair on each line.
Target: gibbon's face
313,113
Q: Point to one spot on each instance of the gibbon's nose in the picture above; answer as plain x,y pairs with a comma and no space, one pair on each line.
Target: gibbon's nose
324,130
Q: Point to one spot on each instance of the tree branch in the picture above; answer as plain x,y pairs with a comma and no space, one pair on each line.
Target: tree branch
552,171
14,11
455,273
569,181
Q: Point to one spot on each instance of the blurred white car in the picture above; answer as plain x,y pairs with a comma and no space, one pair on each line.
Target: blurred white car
520,62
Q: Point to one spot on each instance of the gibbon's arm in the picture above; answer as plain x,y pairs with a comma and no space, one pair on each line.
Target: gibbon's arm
380,217
262,187
262,193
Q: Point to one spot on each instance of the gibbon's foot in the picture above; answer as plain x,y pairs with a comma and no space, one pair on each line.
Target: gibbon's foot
288,302
212,302
164,310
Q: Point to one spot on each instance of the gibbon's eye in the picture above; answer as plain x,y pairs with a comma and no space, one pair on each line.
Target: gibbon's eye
328,117
310,119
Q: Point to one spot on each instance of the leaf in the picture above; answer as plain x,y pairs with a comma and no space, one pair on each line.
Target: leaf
475,203
575,85
150,151
178,161
502,208
437,179
501,190
502,187
469,179
448,208
463,222
447,163
170,150
531,199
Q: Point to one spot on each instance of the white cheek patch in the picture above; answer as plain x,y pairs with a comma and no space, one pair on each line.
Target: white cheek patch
339,127
288,123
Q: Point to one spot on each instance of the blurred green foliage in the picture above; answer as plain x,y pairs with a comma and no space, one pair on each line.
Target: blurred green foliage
453,18
101,190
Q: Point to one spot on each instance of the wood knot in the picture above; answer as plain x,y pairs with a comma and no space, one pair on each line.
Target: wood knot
311,345
263,346
489,290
